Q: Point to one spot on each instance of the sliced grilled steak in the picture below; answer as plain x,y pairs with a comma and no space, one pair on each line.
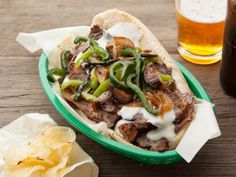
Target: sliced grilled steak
159,145
102,73
79,74
141,123
121,96
162,68
184,108
152,76
81,47
129,131
117,44
105,102
95,115
95,33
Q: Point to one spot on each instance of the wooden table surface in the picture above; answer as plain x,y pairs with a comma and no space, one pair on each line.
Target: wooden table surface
21,92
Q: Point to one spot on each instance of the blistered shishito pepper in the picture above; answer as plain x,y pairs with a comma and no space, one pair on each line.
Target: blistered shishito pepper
126,67
138,60
140,94
55,71
65,58
79,39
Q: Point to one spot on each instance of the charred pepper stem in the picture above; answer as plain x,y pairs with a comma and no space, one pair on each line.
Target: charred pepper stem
79,39
55,71
125,67
140,94
138,67
65,58
75,83
102,88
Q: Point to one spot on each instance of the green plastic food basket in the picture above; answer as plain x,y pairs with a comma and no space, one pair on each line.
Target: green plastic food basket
141,155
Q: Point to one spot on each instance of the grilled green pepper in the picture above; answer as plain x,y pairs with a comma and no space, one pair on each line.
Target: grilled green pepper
102,88
71,83
79,39
124,68
99,50
93,43
138,67
55,71
138,49
93,83
140,94
165,77
65,58
84,56
87,96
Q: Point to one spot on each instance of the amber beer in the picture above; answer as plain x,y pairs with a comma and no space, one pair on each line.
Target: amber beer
200,29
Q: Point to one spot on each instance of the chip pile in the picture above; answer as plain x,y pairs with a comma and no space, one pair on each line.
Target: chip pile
47,155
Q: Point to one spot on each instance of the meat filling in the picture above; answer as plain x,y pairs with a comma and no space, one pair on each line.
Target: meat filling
159,89
159,145
152,76
95,33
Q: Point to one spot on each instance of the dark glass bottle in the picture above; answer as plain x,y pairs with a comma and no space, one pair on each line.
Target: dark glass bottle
228,66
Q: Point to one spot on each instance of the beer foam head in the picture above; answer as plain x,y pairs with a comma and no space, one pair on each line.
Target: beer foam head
204,11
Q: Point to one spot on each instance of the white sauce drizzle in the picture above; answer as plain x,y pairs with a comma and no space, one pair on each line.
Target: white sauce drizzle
129,30
164,122
104,39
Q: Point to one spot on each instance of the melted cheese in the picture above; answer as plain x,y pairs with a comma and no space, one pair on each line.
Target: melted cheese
164,123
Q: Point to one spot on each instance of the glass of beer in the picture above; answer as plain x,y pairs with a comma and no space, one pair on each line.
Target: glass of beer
200,29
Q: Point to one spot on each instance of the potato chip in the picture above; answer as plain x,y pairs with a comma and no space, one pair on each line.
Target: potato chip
44,155
56,136
36,161
51,172
17,171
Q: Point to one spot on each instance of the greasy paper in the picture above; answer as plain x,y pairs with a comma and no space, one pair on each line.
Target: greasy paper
19,132
202,128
